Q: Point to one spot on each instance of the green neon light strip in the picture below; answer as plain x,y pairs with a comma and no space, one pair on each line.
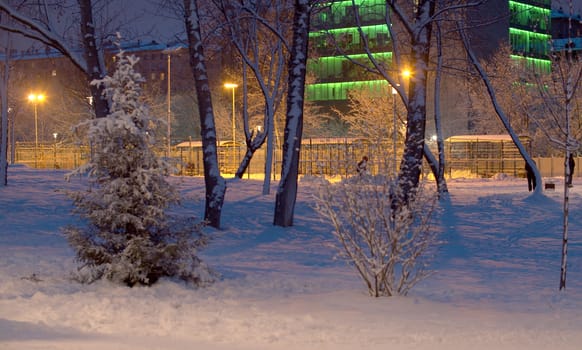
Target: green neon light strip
530,7
380,28
339,91
522,32
338,7
356,57
355,83
535,60
544,66
348,3
548,4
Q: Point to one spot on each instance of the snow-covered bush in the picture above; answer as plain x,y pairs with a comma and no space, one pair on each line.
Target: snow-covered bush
130,237
387,243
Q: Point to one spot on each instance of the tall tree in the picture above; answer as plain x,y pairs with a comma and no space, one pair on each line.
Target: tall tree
287,191
215,183
95,63
555,113
418,25
498,108
258,30
4,78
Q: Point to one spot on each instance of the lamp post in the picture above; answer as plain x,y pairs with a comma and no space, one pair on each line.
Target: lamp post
35,99
233,86
169,51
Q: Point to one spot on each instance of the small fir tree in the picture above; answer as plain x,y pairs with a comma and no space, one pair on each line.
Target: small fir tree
130,238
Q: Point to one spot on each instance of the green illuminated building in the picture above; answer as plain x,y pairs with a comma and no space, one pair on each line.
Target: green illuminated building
335,35
335,41
529,32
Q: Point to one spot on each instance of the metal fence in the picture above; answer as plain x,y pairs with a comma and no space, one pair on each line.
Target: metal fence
335,158
51,156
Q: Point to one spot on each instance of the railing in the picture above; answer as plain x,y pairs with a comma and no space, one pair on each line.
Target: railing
331,159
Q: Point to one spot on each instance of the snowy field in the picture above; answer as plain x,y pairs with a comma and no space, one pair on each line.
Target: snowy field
494,287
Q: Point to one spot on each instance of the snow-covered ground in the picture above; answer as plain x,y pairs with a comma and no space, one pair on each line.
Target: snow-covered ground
494,287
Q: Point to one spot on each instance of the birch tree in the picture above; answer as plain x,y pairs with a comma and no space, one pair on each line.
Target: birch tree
287,191
214,182
417,23
498,109
560,106
258,30
4,79
438,168
557,114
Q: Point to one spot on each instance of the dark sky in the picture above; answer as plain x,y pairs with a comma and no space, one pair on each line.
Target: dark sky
136,19
144,19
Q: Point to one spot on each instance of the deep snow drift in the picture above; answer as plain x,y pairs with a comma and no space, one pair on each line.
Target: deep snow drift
494,287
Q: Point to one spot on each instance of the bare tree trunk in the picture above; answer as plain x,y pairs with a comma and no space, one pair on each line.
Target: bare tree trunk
261,48
95,65
215,183
440,174
564,262
253,142
570,143
270,122
411,165
287,190
498,110
567,173
4,125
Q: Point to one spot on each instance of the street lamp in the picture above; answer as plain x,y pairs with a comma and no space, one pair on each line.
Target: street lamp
35,99
169,51
233,86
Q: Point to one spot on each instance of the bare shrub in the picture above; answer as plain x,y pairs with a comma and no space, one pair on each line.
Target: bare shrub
387,242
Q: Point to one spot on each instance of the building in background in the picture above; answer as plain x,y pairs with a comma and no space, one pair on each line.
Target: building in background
530,34
566,28
335,43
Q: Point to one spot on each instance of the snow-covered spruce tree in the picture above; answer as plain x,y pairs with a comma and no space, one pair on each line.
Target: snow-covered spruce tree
388,245
130,237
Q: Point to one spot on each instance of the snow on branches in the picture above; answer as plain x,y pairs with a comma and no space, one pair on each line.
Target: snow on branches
130,238
387,242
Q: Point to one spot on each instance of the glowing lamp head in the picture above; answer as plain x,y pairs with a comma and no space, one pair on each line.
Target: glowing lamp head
36,98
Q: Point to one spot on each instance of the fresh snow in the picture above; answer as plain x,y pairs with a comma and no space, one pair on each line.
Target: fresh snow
495,284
